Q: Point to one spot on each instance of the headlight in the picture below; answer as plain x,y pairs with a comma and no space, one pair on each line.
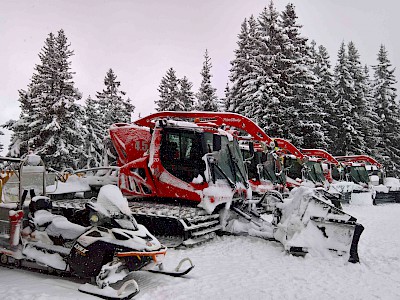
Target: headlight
94,218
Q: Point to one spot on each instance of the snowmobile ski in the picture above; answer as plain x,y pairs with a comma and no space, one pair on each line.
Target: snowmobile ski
175,272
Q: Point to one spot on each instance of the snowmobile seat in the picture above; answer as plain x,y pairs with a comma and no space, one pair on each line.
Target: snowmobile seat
64,230
57,227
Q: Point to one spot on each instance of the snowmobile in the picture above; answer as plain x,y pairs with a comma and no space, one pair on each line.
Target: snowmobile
185,177
106,244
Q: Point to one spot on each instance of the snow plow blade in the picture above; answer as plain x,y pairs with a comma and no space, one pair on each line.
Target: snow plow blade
309,223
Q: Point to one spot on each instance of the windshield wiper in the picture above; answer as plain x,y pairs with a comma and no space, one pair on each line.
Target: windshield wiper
214,165
235,163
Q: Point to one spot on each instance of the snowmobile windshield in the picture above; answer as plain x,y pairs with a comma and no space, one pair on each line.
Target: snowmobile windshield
111,209
126,223
114,220
359,174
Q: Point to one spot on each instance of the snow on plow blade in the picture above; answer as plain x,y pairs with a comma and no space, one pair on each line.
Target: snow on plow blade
309,223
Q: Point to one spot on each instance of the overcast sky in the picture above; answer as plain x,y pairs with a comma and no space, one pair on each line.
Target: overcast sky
141,39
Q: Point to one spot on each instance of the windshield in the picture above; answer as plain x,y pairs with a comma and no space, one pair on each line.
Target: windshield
252,163
272,170
182,152
359,174
293,167
229,162
315,172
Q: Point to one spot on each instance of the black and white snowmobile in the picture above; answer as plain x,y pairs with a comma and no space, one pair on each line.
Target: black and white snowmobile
108,244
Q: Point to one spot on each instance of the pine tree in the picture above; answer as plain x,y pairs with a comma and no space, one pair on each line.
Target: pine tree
324,93
207,98
50,122
170,97
387,110
186,95
227,102
345,93
359,115
298,80
241,69
371,130
264,92
95,135
113,108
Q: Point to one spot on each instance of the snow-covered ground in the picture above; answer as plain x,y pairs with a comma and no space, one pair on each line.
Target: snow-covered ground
233,267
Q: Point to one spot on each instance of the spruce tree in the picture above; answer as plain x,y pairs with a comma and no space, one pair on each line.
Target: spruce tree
94,138
186,95
265,92
345,93
298,81
324,93
206,97
113,108
170,96
371,130
387,109
241,69
359,114
50,122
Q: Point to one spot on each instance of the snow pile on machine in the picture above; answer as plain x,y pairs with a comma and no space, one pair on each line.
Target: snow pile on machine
304,223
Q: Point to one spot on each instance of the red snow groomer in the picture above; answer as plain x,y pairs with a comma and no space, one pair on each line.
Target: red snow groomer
367,170
182,165
301,168
186,179
330,164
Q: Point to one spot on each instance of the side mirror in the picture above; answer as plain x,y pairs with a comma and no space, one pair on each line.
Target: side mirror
216,142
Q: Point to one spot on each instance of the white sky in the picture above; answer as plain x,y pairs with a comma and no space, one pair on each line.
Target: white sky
141,39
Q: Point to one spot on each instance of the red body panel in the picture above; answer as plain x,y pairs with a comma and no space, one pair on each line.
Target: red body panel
130,141
289,147
215,118
320,153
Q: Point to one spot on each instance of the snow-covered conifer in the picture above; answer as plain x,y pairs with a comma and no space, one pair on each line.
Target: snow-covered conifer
206,96
95,135
324,93
345,93
186,95
50,122
298,81
113,108
263,90
387,109
170,99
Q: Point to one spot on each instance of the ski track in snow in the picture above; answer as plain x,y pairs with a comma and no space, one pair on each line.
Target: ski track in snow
238,267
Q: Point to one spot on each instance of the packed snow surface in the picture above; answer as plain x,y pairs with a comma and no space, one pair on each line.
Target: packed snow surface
240,267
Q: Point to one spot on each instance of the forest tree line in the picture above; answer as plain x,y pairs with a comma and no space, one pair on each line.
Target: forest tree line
278,78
